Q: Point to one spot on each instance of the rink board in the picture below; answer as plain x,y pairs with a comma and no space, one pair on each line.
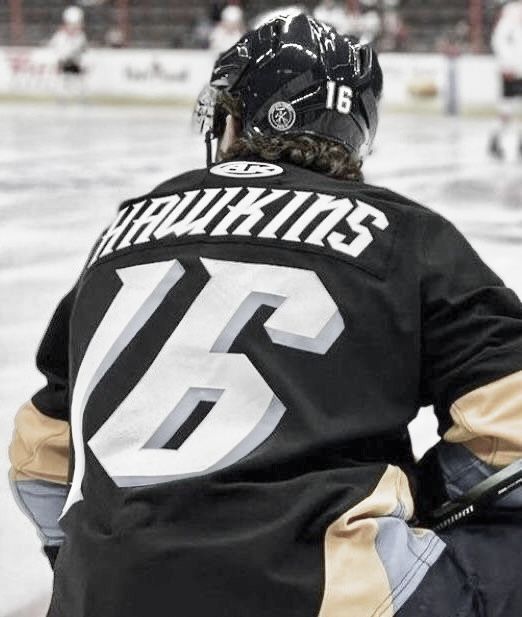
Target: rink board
412,81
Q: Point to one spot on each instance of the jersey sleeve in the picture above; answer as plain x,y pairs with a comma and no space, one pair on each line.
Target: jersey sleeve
39,449
52,360
471,348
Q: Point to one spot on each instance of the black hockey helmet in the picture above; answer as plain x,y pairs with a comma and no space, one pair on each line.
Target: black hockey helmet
294,76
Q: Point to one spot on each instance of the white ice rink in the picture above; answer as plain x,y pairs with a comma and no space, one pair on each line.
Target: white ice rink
63,171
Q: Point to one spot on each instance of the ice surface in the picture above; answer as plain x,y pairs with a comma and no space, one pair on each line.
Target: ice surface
63,170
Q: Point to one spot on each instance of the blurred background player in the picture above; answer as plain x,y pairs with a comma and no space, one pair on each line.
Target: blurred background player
335,14
70,42
360,20
229,29
394,31
291,9
370,23
507,47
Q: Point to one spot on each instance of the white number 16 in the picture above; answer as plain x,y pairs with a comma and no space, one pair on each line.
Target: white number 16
339,97
194,366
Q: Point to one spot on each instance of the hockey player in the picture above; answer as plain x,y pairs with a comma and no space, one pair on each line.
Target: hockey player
240,359
69,42
507,47
229,28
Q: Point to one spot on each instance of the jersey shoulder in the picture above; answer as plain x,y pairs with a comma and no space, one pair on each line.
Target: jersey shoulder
421,217
305,179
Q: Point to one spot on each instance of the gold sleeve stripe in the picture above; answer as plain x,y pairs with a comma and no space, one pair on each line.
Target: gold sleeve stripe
488,421
40,447
356,581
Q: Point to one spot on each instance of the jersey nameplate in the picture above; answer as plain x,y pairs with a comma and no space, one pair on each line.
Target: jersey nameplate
346,227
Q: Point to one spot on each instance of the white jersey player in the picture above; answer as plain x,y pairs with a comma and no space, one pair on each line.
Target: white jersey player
335,15
230,28
507,47
69,42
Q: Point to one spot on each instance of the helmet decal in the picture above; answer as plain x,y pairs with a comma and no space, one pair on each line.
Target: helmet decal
281,116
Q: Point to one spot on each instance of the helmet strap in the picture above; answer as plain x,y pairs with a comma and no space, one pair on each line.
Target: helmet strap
208,144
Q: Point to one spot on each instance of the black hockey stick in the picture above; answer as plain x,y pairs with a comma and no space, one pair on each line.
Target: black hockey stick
479,499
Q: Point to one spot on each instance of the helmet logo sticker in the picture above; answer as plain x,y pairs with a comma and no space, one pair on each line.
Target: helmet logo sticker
246,169
281,116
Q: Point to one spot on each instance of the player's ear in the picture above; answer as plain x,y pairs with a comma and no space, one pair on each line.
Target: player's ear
230,135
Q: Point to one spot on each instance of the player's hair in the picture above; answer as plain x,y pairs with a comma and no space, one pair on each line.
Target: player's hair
316,153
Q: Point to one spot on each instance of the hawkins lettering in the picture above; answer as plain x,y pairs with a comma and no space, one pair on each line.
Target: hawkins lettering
340,224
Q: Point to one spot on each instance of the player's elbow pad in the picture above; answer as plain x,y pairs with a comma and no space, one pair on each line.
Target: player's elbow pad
42,502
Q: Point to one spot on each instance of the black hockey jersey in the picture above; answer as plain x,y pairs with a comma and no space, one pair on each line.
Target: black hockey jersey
239,362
